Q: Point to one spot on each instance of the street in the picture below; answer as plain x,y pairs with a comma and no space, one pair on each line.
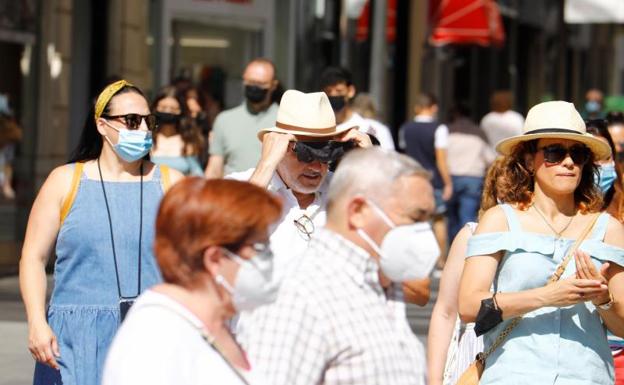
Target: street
16,364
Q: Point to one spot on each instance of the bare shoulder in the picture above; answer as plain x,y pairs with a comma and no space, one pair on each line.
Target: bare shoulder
175,176
57,185
493,220
60,178
462,236
615,233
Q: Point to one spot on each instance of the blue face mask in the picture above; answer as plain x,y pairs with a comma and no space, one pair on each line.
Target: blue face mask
132,144
592,106
606,176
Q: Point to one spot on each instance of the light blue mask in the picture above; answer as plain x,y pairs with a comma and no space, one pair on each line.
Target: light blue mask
606,176
592,106
132,144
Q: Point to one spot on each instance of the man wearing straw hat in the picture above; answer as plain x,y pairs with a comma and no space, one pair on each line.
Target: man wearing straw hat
297,153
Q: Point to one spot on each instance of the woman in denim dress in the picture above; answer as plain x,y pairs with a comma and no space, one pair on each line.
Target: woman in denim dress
97,215
552,198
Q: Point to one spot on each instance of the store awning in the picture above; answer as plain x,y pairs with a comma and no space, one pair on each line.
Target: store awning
594,11
466,22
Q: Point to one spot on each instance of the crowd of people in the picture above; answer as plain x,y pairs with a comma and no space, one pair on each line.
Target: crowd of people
290,256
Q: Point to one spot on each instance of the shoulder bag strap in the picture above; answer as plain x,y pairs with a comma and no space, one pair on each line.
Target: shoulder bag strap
554,278
69,200
165,178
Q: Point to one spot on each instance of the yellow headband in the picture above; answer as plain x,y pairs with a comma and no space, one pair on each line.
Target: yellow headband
106,95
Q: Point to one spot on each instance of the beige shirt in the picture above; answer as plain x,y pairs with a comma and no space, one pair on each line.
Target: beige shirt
468,155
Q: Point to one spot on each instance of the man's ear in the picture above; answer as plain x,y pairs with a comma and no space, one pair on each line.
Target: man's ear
357,212
350,91
274,84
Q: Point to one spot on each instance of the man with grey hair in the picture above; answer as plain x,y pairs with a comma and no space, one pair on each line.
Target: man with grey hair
333,322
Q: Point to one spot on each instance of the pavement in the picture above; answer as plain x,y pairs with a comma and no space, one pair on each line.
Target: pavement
16,363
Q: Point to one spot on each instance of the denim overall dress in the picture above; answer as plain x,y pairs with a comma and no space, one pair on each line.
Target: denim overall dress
84,308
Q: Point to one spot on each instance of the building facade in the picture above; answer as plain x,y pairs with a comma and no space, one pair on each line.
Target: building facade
57,54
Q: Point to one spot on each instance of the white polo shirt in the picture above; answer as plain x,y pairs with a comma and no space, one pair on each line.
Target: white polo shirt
371,127
287,242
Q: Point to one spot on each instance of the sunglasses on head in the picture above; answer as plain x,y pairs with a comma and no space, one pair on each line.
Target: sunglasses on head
556,153
133,121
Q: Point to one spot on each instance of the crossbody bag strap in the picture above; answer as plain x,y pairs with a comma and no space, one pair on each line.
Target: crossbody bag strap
554,278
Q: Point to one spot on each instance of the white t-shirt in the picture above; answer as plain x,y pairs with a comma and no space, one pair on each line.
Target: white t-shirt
371,127
160,343
501,125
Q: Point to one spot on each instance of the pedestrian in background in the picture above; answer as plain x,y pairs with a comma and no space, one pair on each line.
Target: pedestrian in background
469,158
10,136
426,141
337,83
594,104
364,105
234,146
451,346
554,315
212,246
97,215
609,180
615,121
502,122
178,141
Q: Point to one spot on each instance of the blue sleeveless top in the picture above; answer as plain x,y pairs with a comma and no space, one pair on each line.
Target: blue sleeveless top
84,308
550,345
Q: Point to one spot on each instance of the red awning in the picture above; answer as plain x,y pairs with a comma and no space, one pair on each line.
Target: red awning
466,22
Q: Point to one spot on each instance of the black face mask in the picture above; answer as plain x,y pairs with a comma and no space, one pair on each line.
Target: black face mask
256,94
324,152
338,103
167,118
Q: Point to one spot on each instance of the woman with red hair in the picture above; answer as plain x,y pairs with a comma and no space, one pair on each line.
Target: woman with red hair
212,246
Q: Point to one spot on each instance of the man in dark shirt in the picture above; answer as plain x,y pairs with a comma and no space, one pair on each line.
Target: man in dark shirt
425,140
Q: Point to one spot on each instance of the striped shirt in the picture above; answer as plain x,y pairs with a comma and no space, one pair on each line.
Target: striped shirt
333,324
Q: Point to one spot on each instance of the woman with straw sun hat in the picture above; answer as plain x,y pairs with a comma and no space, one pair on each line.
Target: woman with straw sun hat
556,262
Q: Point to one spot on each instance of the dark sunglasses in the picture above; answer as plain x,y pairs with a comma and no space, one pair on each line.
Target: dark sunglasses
324,152
133,121
556,153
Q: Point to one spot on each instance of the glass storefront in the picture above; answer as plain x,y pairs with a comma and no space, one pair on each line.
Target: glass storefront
18,29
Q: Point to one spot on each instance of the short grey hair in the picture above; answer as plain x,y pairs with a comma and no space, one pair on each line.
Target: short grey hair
371,172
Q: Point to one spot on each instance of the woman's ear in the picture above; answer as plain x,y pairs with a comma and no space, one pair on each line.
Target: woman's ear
100,125
529,163
212,258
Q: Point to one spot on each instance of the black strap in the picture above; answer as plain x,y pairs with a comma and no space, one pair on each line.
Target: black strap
110,225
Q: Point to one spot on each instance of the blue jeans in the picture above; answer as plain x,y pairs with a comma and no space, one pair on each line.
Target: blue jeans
464,203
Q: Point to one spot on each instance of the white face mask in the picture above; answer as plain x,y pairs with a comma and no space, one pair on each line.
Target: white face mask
253,285
407,252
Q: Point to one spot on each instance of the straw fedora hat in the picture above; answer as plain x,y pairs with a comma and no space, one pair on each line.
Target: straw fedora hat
559,120
304,114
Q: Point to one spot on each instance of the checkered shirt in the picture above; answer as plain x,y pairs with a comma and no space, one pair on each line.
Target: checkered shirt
333,324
